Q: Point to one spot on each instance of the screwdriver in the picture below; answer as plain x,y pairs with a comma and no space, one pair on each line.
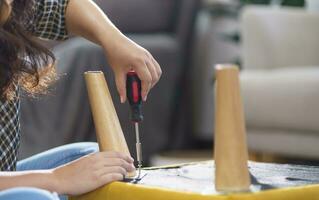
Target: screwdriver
133,92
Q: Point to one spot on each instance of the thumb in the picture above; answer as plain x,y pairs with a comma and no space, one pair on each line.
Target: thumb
120,80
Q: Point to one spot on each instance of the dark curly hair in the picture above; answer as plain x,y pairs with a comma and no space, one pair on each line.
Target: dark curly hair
24,61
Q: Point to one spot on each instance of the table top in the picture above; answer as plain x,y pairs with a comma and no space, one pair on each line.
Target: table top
196,181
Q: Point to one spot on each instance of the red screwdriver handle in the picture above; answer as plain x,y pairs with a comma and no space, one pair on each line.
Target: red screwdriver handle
134,96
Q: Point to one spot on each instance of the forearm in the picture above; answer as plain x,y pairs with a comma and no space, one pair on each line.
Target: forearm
84,18
40,179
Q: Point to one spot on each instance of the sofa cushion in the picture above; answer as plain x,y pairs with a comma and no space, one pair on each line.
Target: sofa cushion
291,143
286,98
140,15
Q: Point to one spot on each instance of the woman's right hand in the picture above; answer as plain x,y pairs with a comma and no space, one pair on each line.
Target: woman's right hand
91,172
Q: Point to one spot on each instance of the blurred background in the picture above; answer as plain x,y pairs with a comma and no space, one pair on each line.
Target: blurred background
275,43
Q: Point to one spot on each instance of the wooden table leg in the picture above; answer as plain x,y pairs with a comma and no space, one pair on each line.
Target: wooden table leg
108,129
231,153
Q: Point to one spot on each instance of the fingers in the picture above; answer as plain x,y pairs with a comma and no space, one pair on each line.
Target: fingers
152,69
119,162
120,80
111,174
113,169
114,154
146,78
158,68
149,71
107,178
112,166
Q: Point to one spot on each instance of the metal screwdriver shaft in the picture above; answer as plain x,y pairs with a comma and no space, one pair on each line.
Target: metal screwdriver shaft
133,92
138,150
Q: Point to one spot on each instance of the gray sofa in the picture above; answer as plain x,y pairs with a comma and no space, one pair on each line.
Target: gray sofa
164,28
280,80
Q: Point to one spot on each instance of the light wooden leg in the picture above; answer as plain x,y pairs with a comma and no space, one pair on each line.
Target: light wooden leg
108,129
231,154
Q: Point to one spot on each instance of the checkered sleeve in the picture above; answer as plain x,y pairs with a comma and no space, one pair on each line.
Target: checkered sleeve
49,20
9,133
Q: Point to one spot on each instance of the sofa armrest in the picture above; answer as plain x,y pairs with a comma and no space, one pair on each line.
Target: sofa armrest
284,99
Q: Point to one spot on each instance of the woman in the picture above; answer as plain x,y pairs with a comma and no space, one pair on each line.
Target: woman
72,169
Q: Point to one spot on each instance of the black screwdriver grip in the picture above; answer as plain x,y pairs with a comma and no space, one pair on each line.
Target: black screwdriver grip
134,96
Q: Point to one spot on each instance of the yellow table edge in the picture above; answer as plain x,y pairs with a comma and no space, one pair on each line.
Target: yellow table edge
129,191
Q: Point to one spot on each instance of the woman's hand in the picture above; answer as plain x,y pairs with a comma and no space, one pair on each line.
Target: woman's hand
91,172
86,19
124,55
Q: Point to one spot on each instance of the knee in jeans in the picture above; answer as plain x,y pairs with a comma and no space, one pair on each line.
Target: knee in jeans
27,193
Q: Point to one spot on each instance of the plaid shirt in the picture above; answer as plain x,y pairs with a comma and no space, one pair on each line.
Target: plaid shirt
47,23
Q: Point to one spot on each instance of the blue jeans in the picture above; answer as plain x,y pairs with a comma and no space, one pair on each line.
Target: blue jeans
47,160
